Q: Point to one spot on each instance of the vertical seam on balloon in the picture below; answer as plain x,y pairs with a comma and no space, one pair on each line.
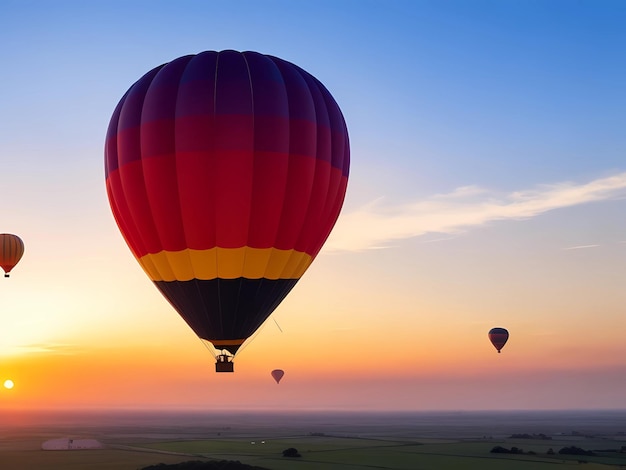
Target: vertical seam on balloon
331,200
262,308
177,173
287,179
276,284
173,178
143,179
247,247
249,322
123,189
217,280
13,252
242,279
196,281
304,76
113,200
317,160
217,273
199,282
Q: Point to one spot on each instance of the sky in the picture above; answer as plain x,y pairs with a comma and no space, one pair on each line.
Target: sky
487,189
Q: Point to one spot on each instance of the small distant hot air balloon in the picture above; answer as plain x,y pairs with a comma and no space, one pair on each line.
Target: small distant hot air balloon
11,251
278,374
498,337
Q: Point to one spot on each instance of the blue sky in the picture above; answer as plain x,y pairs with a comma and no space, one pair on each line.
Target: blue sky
487,182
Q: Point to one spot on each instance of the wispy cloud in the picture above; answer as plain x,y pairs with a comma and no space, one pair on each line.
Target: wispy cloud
378,224
580,247
47,348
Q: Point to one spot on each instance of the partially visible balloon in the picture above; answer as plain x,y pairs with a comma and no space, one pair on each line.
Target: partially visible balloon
11,251
278,374
498,337
226,172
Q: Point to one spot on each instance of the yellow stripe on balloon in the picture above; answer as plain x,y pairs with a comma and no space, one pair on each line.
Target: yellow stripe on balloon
225,263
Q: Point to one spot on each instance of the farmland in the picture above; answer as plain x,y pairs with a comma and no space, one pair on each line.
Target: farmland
324,440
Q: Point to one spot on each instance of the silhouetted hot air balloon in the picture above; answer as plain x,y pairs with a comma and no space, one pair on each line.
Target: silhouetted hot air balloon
11,251
498,337
226,172
278,374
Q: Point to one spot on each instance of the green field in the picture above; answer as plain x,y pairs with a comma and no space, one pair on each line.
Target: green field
346,453
349,446
317,452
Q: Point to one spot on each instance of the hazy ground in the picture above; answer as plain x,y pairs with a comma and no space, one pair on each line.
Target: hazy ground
326,440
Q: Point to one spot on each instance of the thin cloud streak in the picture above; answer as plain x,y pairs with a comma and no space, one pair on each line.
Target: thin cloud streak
376,225
580,247
47,348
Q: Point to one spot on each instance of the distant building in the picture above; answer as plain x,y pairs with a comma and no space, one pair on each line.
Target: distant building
66,443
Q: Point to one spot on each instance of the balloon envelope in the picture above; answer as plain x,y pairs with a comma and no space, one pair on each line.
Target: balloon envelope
226,172
498,337
278,374
11,251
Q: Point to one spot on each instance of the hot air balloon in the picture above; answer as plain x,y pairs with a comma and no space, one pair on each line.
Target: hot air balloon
226,172
278,374
11,251
498,337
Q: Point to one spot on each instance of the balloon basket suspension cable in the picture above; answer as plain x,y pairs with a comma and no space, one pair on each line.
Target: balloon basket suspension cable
254,335
209,348
223,359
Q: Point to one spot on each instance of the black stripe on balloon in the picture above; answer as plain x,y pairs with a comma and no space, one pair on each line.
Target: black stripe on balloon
225,308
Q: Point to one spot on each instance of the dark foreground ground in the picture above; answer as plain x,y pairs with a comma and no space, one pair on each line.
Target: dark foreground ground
324,440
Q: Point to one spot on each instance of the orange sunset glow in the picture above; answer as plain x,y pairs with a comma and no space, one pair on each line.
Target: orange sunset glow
486,188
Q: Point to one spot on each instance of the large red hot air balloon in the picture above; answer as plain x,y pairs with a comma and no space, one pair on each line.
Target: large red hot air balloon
11,251
226,172
498,337
277,374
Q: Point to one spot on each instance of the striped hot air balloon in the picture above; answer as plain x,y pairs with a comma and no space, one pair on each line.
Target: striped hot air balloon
226,172
498,337
11,251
